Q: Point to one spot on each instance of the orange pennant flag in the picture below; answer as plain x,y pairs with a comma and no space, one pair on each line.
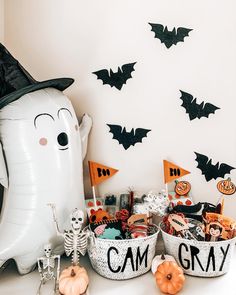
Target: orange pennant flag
99,172
172,171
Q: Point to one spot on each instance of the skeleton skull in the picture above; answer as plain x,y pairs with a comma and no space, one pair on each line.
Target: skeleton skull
48,250
77,219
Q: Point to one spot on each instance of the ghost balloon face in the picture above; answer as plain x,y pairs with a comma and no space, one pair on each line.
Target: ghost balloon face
43,149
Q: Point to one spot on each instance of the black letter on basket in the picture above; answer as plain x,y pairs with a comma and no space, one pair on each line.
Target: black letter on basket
129,255
224,253
211,256
194,253
139,258
180,256
109,260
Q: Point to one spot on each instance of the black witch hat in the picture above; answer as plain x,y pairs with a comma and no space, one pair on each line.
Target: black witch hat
15,81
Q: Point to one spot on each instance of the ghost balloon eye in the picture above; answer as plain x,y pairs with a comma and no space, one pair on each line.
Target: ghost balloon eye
39,115
62,139
63,109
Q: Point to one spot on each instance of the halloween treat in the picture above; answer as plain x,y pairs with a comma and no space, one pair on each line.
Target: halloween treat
111,210
182,188
108,229
125,201
110,200
91,206
173,223
180,200
123,215
197,229
219,227
226,187
196,211
137,218
138,231
99,215
156,203
73,281
169,277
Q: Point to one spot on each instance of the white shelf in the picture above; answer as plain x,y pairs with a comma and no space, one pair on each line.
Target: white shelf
11,283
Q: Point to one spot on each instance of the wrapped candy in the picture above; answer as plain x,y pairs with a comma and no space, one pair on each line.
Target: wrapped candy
153,203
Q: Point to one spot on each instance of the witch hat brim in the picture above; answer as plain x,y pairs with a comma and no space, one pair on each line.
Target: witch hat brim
15,81
60,84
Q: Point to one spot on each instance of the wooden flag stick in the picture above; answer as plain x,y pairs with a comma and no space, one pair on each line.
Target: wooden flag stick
167,191
94,197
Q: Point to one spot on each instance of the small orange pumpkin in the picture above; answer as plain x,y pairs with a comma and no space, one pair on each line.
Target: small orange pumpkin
226,187
182,188
157,260
73,281
169,277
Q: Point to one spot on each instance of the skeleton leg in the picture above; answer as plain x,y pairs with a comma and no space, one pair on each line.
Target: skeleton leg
40,285
57,275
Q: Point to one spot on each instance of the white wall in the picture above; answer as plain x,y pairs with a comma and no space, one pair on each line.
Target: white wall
73,38
1,20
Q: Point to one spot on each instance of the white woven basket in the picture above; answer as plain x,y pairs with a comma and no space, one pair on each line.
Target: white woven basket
198,258
122,259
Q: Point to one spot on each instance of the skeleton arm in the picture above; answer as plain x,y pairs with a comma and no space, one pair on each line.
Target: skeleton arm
58,265
53,207
39,266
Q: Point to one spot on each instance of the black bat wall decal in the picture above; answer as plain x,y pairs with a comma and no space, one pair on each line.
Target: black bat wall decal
212,171
127,138
195,110
167,37
116,79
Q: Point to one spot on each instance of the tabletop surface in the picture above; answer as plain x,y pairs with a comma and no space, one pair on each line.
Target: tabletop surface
12,283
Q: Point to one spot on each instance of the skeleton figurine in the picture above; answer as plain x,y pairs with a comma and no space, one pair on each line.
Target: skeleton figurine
46,268
75,240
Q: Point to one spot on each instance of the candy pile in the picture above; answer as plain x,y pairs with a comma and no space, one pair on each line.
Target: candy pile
110,220
202,222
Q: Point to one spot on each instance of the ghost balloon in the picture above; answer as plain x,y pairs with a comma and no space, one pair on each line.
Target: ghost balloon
41,155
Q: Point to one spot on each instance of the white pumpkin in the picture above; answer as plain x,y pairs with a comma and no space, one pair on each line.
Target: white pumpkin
159,259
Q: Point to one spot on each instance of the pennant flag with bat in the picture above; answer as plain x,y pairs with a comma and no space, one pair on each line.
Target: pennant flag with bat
99,173
172,171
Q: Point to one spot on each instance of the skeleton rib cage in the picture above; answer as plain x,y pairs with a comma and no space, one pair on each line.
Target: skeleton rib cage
75,244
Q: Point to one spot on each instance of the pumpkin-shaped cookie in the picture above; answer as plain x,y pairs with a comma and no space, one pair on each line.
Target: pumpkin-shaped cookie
182,188
169,277
226,187
73,281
